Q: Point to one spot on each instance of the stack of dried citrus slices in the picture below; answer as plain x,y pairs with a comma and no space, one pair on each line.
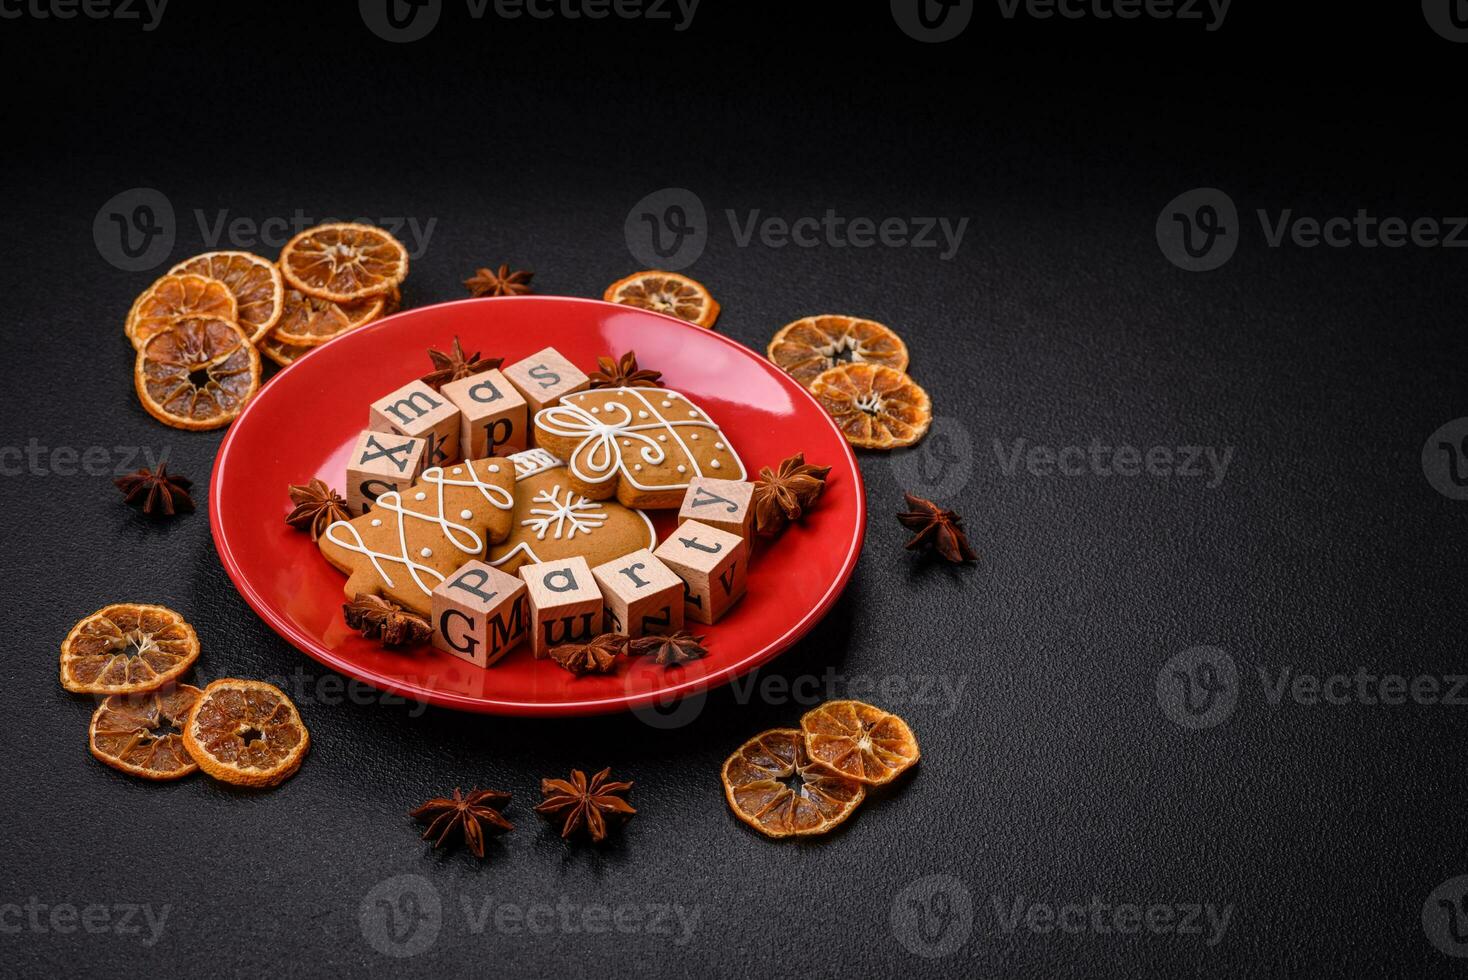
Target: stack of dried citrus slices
243,732
200,329
857,369
795,782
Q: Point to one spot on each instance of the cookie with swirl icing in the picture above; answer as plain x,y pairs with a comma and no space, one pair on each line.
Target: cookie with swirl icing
412,539
640,445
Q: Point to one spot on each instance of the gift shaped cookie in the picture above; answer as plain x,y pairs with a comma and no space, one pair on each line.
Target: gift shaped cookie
413,539
552,521
641,445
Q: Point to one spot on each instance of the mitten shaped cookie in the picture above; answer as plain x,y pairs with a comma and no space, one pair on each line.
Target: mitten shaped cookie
641,445
413,539
552,521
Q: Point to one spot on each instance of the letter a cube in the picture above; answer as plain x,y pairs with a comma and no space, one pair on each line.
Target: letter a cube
417,410
381,461
713,565
545,377
479,613
722,504
565,603
640,594
492,413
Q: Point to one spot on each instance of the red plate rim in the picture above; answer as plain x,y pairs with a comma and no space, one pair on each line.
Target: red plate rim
322,654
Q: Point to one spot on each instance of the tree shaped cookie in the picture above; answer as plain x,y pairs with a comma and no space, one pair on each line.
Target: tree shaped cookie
552,520
412,539
641,445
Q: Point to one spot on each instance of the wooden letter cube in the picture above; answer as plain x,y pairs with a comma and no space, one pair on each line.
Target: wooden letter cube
713,565
640,595
479,613
381,461
544,378
723,504
417,410
565,604
492,414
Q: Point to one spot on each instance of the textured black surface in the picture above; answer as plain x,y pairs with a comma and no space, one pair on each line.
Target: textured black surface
1054,774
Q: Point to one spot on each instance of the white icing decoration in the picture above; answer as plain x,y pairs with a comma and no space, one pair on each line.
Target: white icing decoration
494,467
458,469
693,436
426,552
461,537
682,468
641,414
601,437
570,516
465,514
420,495
714,463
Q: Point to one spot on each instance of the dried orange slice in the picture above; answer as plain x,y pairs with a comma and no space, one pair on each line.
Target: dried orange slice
197,374
859,741
772,785
247,733
309,321
255,283
142,734
807,347
126,648
666,292
282,353
342,262
178,297
875,407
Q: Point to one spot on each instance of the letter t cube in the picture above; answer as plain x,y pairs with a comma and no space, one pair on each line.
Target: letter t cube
713,565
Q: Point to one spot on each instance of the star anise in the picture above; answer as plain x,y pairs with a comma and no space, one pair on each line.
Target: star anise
596,657
471,816
577,803
936,528
487,282
455,365
159,492
624,373
669,651
318,506
782,495
387,622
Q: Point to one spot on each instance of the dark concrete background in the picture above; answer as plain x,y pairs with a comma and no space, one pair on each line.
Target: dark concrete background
1054,771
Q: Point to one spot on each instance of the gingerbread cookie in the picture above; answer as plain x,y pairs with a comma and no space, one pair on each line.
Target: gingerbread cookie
552,521
413,539
641,445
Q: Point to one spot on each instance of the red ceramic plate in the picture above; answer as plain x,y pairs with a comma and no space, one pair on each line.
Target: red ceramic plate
305,420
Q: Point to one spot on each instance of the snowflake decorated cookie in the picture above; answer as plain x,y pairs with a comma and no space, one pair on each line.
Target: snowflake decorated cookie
553,520
640,445
412,539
